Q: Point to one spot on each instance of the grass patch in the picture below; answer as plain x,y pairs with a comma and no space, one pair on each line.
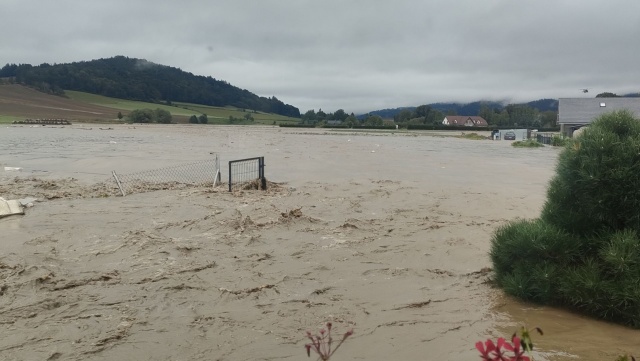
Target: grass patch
8,119
529,143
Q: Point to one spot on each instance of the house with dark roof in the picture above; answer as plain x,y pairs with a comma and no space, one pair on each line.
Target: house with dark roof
574,113
464,121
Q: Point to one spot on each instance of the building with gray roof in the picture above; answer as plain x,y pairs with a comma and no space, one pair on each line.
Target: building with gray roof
576,112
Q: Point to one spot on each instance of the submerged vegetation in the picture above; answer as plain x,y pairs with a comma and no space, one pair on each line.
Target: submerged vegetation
529,143
584,251
559,140
473,136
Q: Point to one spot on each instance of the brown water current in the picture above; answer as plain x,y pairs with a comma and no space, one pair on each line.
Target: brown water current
386,233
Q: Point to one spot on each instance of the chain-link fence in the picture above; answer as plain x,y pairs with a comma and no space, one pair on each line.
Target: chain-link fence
180,176
247,174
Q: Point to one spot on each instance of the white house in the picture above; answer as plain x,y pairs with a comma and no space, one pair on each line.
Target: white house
464,121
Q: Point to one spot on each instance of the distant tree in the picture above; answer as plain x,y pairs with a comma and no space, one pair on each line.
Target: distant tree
120,116
248,117
435,117
548,119
141,116
486,113
204,120
310,115
8,70
502,118
522,115
416,121
422,111
351,120
194,119
374,120
340,114
162,116
607,95
403,116
321,115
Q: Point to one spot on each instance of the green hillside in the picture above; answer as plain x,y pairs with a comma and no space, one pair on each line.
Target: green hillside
216,115
20,102
141,80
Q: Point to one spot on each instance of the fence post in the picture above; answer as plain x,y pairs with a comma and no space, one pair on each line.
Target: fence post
230,177
216,165
118,182
263,180
218,175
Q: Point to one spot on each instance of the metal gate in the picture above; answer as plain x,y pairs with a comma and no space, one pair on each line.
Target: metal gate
247,174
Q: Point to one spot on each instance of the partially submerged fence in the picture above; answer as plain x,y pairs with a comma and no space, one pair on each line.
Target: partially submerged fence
544,138
247,174
185,175
43,121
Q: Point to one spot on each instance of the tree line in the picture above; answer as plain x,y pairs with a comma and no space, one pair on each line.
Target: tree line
311,117
512,115
138,79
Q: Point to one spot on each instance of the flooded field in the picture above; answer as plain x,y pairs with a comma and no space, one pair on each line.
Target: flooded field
383,232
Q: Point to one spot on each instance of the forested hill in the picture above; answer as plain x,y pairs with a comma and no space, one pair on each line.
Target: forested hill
473,108
138,79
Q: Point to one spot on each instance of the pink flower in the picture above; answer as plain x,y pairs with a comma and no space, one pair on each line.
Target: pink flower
498,352
322,344
486,349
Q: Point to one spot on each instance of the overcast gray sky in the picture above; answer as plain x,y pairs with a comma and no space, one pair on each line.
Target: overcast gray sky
357,55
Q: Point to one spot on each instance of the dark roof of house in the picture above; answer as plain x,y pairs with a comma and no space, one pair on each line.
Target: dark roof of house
585,110
463,119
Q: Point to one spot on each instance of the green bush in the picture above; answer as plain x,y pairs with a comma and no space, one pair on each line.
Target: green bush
162,116
584,250
529,143
141,116
559,141
148,116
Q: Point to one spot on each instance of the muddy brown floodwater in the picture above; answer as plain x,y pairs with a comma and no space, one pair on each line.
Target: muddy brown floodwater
386,233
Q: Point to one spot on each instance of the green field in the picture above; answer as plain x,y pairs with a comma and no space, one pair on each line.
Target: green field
7,119
215,115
